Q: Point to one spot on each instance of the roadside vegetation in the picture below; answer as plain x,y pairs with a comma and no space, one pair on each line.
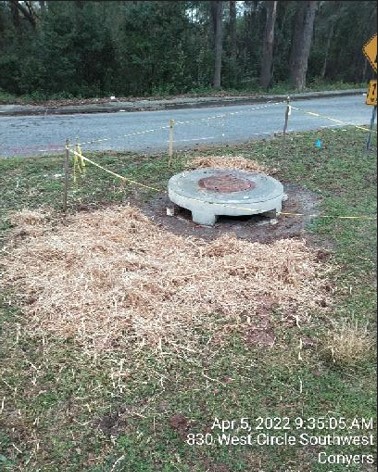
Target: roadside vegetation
63,50
62,98
67,408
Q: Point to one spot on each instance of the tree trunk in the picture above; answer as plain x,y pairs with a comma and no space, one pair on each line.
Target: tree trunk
300,51
26,10
267,56
337,5
233,41
42,5
216,11
329,40
15,15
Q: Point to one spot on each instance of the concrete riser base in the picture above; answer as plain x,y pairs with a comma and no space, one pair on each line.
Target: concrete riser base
207,219
204,213
254,194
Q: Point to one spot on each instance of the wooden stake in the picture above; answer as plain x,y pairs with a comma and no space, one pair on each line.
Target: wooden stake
287,113
66,176
170,148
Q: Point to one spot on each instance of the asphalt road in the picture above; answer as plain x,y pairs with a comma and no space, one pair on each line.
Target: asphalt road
148,131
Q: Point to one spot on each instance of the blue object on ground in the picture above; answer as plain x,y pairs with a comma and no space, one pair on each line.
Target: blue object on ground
318,143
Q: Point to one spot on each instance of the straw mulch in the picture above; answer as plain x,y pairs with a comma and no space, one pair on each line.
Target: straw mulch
30,223
112,279
229,162
28,217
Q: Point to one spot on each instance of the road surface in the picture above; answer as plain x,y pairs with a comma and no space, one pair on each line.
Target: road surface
148,131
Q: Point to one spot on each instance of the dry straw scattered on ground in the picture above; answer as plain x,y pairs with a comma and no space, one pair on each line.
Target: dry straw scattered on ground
28,217
348,343
229,162
112,279
30,222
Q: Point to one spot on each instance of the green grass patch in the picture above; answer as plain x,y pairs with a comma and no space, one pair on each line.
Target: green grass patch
63,411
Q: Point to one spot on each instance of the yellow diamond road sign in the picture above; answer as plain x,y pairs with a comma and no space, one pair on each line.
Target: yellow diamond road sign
371,98
370,51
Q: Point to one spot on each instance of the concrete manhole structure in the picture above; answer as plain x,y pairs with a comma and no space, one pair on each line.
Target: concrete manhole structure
209,193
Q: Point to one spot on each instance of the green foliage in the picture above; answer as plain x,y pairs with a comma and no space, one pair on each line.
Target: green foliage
159,60
6,97
141,48
348,25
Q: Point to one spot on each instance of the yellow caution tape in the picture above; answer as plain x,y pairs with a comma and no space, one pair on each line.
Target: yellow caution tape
194,121
79,163
249,209
340,122
74,168
114,173
83,159
363,217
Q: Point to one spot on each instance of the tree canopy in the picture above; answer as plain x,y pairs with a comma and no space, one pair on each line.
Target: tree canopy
94,48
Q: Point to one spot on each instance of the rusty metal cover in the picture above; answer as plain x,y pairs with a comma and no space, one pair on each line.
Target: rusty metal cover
227,183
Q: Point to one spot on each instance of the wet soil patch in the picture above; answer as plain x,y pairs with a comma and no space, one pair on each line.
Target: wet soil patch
180,424
261,337
255,228
112,424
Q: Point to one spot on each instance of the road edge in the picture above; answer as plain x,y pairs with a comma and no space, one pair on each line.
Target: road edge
168,104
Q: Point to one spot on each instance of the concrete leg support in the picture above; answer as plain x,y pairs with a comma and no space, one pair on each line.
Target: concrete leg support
273,213
204,218
270,214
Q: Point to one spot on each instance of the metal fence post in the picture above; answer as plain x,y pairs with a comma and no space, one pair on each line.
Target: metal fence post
371,128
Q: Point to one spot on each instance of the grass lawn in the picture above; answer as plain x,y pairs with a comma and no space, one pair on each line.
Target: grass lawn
61,410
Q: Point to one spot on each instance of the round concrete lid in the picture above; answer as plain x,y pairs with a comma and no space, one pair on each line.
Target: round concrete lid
225,186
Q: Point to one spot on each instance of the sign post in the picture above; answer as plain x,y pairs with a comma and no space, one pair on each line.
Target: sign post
370,51
371,128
